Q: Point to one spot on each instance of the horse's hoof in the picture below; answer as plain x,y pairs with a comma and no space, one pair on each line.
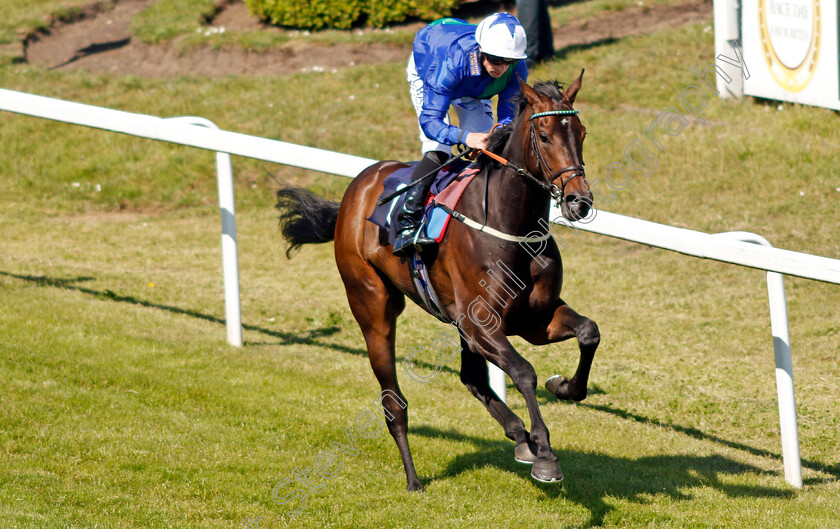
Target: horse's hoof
559,386
546,471
554,382
525,453
415,487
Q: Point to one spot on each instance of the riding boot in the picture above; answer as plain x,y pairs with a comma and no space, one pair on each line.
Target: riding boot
410,215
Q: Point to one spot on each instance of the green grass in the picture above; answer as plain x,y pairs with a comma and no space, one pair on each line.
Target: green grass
122,405
19,18
581,11
168,19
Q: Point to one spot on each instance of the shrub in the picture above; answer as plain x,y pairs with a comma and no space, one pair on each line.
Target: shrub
382,12
342,14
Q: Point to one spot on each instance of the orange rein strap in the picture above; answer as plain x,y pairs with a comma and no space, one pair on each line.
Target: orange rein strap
495,157
519,170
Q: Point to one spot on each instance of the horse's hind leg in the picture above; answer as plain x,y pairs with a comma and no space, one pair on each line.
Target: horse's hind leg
474,377
565,323
375,306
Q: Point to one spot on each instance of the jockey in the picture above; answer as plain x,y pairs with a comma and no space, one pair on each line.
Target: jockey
462,65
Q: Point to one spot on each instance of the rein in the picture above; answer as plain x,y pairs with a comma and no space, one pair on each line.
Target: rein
552,189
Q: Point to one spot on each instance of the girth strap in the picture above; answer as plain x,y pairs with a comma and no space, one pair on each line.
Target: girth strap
492,231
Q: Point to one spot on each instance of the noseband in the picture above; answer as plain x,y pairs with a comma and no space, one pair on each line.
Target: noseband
558,193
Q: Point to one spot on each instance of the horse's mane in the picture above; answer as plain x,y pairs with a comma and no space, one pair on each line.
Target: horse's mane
499,139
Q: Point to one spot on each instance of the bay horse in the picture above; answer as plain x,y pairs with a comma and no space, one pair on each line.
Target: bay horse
541,153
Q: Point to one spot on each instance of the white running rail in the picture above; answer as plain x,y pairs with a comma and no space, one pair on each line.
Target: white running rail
726,247
201,133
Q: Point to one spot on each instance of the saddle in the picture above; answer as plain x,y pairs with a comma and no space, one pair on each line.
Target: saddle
450,183
446,190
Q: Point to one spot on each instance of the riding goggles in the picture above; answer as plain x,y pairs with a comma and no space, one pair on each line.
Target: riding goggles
498,61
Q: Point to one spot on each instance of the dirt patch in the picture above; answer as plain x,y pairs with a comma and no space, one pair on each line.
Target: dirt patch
100,42
634,21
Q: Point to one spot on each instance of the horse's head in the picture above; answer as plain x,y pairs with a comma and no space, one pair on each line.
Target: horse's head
554,151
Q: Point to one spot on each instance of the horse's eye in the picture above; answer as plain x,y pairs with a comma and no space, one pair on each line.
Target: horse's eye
544,137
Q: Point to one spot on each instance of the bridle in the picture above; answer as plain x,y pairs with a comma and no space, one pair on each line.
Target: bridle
546,183
577,170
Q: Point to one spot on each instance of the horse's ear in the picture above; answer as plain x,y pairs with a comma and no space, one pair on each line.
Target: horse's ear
528,92
572,91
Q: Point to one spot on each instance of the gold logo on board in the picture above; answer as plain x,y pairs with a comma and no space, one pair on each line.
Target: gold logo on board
790,32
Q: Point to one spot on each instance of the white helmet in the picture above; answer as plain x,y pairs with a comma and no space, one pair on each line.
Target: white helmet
501,35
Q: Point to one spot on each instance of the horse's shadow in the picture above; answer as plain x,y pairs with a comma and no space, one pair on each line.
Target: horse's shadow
631,479
830,472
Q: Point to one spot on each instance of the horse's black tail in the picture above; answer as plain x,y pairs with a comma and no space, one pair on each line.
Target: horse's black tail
305,217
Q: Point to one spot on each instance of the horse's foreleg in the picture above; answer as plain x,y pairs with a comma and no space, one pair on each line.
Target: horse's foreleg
566,323
496,348
474,377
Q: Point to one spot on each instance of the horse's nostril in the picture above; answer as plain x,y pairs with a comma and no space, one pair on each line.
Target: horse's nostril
571,198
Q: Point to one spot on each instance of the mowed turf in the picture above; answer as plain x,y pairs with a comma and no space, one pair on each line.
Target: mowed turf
123,406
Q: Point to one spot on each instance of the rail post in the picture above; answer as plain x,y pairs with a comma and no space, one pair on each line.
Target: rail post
230,252
784,363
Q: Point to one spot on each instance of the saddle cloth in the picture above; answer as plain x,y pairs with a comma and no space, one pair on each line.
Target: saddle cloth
449,185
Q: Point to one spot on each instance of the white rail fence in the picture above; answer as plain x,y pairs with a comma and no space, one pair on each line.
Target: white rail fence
201,133
738,248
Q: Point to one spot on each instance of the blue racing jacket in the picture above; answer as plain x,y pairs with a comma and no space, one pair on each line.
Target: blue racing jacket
446,56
